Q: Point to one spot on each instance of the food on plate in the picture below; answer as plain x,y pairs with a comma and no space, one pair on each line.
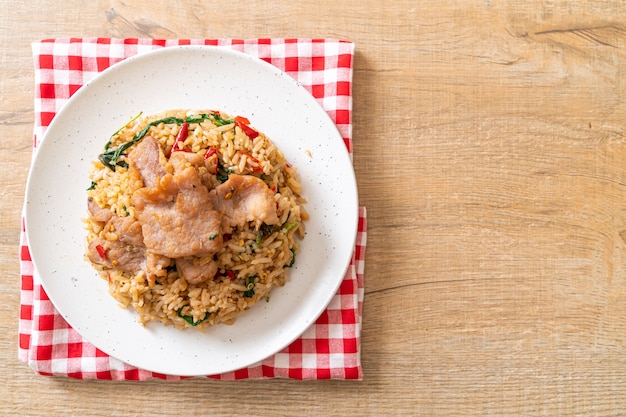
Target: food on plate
193,217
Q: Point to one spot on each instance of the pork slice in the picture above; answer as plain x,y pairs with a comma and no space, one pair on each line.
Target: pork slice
155,266
242,199
181,160
156,262
127,229
148,160
176,214
194,271
117,255
127,253
98,213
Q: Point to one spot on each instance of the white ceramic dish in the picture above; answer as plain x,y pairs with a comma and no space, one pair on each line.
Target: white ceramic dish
192,77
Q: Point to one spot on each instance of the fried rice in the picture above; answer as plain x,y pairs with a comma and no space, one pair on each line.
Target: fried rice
254,257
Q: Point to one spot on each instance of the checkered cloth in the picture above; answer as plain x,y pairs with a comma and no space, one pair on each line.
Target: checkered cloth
330,348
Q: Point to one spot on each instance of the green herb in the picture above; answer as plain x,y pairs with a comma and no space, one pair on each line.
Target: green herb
293,258
110,158
218,120
213,236
250,286
126,212
106,147
222,173
92,186
189,319
290,225
263,231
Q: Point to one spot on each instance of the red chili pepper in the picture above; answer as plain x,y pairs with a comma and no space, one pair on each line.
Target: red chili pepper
243,123
256,168
227,237
101,251
231,275
209,153
180,138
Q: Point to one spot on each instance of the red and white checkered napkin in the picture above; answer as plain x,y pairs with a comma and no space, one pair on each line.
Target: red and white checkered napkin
330,348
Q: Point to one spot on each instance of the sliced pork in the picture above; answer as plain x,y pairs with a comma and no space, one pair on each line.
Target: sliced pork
174,209
194,270
242,199
127,230
125,252
148,159
98,213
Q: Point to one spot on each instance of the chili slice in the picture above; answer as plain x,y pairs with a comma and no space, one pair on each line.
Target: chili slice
180,138
256,168
101,251
243,124
209,153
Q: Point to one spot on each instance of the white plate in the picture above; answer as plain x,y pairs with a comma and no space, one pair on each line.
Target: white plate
191,77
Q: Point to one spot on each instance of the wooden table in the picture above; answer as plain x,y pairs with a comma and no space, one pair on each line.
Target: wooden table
490,151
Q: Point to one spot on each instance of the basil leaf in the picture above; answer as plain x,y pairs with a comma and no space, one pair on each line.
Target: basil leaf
293,258
110,158
218,120
290,225
189,319
250,286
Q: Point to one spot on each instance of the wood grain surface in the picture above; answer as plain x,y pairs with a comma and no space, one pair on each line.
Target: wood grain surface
490,152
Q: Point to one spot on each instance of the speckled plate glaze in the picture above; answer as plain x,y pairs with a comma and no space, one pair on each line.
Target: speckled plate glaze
193,77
